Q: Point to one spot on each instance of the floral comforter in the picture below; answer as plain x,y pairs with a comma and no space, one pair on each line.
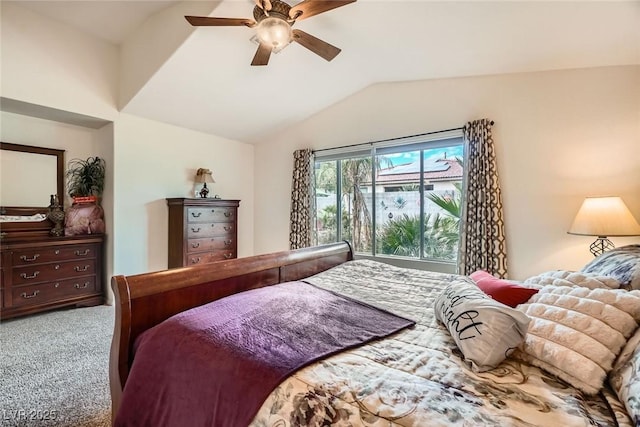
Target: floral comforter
417,377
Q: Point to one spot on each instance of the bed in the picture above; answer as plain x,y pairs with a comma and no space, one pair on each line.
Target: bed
418,375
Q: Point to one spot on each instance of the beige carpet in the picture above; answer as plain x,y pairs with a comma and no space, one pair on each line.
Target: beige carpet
54,368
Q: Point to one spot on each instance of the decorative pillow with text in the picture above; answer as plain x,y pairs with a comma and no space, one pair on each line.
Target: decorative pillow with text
486,331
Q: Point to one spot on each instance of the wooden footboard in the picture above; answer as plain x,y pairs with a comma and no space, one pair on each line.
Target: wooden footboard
144,300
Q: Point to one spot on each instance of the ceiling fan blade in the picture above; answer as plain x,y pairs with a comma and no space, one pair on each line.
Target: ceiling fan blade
262,55
309,8
206,21
315,45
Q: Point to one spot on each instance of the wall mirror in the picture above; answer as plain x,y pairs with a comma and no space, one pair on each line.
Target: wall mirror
28,177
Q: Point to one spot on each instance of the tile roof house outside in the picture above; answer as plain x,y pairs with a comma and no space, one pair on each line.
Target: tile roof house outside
397,190
440,170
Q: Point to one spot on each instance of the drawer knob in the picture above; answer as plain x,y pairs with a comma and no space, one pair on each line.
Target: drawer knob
27,259
83,253
84,285
195,245
228,242
195,260
213,210
227,227
57,267
195,230
228,256
79,269
33,295
228,214
26,276
196,214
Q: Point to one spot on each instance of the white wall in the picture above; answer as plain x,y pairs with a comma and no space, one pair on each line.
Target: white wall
559,136
154,161
51,64
152,43
104,149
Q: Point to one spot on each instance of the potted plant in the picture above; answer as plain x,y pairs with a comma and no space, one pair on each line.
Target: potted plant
85,179
85,184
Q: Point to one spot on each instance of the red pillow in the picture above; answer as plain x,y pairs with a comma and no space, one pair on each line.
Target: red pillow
501,290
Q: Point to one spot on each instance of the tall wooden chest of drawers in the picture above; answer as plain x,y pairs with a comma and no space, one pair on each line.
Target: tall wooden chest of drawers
38,274
202,230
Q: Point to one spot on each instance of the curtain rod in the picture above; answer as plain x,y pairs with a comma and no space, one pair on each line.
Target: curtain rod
387,140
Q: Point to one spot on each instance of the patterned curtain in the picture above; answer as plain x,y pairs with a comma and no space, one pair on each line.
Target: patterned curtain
302,212
483,243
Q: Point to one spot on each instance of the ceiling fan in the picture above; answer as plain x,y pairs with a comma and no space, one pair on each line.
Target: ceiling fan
273,22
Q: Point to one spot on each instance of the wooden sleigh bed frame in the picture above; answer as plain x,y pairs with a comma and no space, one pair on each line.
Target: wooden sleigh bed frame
145,300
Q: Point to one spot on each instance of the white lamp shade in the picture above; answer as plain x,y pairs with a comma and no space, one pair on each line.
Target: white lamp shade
604,216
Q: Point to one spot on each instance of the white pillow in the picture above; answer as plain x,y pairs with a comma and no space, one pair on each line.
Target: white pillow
625,377
486,331
621,263
576,333
573,278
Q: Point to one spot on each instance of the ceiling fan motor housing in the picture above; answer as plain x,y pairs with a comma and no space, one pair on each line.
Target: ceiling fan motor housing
279,9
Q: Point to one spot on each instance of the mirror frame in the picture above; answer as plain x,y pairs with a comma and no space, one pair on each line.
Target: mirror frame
33,227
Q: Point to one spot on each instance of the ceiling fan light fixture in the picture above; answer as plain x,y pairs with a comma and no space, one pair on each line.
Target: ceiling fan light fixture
274,32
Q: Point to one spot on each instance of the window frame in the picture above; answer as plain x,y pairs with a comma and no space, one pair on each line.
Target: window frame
428,141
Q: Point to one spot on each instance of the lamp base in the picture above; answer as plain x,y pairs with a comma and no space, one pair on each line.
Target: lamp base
601,245
205,191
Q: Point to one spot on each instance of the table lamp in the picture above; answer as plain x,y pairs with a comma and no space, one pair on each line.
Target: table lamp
203,176
604,217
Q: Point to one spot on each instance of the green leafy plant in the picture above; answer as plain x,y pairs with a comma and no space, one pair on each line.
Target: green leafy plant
441,237
401,236
86,177
451,205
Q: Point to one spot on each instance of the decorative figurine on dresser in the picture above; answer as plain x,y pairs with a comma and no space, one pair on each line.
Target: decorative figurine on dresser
202,230
41,268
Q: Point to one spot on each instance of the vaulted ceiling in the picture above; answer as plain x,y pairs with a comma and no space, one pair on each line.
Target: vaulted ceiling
201,78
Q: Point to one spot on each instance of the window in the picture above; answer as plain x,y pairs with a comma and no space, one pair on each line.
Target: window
394,200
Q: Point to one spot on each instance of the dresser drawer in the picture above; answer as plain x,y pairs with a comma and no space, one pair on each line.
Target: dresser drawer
51,271
48,272
53,291
199,230
207,257
51,254
218,242
222,214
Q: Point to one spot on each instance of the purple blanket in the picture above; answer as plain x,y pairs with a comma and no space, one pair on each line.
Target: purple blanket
215,365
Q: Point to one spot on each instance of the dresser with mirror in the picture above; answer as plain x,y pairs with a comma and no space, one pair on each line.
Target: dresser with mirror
38,270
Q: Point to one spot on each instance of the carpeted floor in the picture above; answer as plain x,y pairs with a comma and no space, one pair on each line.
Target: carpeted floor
54,368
